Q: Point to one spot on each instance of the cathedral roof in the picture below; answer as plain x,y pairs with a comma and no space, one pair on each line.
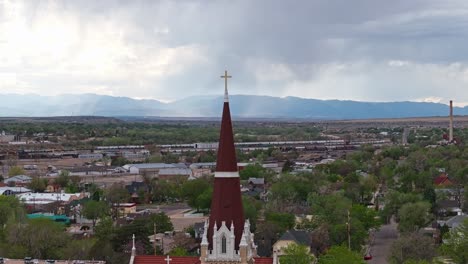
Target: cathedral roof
226,160
162,260
184,260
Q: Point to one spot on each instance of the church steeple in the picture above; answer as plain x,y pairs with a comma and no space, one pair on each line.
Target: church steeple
226,205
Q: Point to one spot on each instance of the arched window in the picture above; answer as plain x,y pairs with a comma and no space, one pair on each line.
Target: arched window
223,245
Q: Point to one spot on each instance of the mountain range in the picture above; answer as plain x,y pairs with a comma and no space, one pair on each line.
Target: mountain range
246,106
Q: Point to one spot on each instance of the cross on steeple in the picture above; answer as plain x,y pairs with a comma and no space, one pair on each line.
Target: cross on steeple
225,76
168,259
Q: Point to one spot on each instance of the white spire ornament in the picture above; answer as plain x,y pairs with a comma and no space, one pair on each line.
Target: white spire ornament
225,77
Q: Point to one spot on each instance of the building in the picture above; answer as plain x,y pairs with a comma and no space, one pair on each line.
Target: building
442,180
18,180
4,138
13,190
152,168
299,237
175,174
94,156
47,198
125,208
226,237
455,221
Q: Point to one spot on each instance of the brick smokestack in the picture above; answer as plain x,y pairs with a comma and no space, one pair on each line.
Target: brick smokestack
451,122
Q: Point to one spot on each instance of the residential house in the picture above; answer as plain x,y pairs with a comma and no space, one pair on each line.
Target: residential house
455,221
125,208
442,180
18,180
448,207
300,237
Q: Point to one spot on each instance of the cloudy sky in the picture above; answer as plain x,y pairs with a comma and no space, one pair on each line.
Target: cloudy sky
366,50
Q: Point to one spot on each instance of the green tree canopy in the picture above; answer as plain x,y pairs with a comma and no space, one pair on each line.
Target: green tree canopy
296,254
413,247
39,238
15,170
179,252
94,210
284,221
455,244
63,178
413,216
340,255
37,184
198,193
252,171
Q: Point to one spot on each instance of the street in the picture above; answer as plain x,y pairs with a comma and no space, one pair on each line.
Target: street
380,248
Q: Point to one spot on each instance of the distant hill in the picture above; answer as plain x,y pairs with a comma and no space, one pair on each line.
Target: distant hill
210,106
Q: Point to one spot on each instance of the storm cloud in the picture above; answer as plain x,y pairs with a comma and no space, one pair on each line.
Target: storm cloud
356,50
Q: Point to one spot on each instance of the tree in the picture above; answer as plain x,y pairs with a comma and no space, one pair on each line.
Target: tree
115,195
198,193
11,210
94,210
123,235
251,208
15,170
284,221
179,252
162,221
296,254
251,171
170,158
456,244
394,200
37,184
41,237
412,246
332,209
104,229
63,178
339,255
120,161
165,191
288,166
368,217
414,216
78,249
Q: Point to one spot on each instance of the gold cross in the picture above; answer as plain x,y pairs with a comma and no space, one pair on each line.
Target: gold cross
225,76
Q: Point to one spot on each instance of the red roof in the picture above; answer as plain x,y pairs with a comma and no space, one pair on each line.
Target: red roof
263,260
442,179
161,260
226,160
185,260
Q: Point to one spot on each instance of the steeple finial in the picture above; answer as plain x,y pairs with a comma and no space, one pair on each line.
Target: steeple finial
226,76
133,246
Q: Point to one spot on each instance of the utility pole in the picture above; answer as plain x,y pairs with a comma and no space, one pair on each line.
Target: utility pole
348,224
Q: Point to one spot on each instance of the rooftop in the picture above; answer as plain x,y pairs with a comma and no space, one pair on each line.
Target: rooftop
298,236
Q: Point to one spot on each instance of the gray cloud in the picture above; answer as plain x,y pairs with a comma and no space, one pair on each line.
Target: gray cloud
360,50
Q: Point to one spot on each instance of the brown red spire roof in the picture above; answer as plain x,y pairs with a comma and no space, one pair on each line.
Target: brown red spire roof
226,204
226,160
